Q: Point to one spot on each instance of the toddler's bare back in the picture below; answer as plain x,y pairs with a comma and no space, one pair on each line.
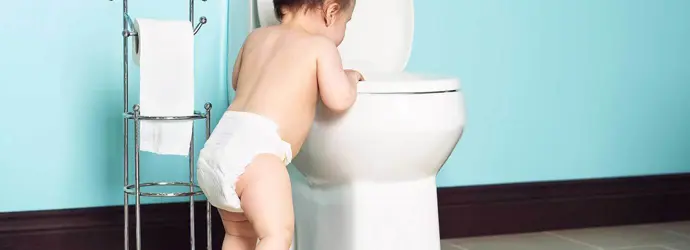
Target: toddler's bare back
275,76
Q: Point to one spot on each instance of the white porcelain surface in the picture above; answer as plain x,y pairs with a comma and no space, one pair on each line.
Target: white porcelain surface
369,175
266,13
379,36
383,138
367,216
402,82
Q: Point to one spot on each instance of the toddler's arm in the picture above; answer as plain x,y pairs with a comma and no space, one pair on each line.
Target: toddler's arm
338,91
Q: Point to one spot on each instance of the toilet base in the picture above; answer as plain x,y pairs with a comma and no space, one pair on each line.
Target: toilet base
367,216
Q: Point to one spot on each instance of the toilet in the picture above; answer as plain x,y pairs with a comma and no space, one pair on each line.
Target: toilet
366,179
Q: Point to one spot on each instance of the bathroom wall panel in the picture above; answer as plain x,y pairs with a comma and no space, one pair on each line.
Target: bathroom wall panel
61,79
562,89
555,90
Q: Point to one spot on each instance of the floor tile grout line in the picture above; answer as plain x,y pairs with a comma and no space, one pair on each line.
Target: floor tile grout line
682,235
573,240
636,247
663,226
671,231
458,246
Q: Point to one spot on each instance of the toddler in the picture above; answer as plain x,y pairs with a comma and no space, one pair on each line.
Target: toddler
280,75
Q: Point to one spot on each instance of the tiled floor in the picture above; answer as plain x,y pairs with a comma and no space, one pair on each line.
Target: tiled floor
668,236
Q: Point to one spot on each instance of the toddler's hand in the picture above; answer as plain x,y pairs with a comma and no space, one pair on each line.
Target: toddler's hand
354,75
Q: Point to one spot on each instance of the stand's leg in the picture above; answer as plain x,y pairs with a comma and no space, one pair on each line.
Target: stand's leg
191,12
126,200
208,226
126,122
191,189
191,158
208,204
137,125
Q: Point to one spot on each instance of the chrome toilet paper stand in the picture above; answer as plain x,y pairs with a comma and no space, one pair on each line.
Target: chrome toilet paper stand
135,189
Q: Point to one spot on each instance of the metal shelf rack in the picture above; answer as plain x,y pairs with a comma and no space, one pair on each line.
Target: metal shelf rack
135,189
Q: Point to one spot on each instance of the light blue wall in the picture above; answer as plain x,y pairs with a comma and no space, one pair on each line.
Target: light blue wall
562,89
556,89
61,79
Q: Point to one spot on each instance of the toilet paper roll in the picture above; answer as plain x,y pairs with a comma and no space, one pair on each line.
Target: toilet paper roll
166,86
266,13
152,24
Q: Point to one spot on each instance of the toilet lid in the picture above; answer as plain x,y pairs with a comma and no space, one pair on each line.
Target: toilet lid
406,83
378,38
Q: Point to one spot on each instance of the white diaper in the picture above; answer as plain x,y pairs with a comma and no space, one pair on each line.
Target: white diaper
238,138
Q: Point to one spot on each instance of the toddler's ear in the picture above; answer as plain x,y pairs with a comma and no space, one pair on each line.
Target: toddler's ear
331,10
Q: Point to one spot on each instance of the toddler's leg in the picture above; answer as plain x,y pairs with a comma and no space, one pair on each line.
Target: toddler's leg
239,233
266,199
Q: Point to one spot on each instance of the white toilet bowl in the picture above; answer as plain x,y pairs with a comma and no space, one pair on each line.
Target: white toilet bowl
368,176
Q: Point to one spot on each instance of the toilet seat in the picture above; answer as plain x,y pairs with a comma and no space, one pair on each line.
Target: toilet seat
406,83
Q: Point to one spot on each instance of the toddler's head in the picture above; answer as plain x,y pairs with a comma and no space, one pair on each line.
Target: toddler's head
329,17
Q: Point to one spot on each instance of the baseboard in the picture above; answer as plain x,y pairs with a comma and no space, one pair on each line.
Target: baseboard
533,207
463,211
164,227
